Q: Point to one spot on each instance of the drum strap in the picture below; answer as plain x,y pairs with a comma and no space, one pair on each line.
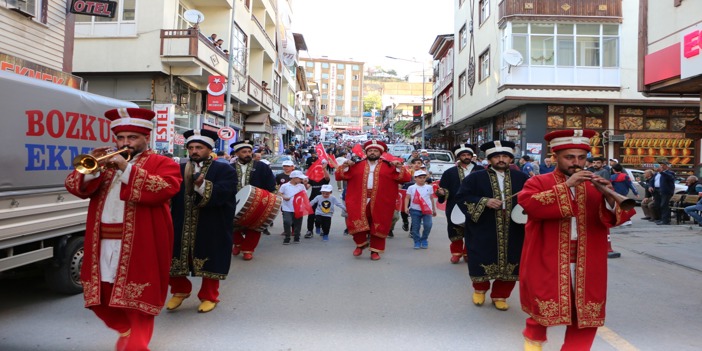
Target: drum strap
573,250
111,231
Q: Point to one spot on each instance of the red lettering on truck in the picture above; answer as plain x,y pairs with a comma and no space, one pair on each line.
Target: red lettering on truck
69,125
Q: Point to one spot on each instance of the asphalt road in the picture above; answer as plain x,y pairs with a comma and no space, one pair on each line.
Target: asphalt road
317,296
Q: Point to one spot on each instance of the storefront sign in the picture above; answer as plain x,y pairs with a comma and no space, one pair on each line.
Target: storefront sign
165,127
30,69
94,8
690,52
693,129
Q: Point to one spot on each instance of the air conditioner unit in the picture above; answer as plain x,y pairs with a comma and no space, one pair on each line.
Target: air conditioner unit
617,138
20,6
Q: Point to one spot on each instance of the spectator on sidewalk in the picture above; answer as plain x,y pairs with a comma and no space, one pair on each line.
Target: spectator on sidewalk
648,203
622,183
666,188
694,211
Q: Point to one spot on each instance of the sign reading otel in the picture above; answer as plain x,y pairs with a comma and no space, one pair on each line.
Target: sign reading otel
94,8
690,54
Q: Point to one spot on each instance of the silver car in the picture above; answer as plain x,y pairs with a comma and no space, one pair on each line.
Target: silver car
440,161
636,176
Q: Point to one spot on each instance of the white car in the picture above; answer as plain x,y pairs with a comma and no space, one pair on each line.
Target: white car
636,175
441,160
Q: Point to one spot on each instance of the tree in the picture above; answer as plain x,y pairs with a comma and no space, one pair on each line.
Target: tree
399,128
372,100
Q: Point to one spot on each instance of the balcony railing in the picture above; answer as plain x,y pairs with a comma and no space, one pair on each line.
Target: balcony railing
551,9
263,30
191,43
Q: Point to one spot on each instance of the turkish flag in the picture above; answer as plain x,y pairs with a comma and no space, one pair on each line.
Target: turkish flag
316,170
389,157
215,93
358,150
417,199
323,155
400,204
439,205
301,204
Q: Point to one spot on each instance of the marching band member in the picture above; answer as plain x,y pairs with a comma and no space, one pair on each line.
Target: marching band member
492,239
563,273
203,217
129,231
256,174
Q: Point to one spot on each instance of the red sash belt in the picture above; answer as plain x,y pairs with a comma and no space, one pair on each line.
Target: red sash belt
369,193
573,250
111,231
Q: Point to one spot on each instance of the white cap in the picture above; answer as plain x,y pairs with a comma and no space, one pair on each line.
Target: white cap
419,173
298,174
340,160
423,150
327,187
288,163
614,159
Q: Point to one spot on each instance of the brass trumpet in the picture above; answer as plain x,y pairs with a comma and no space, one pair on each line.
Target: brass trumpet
88,164
624,202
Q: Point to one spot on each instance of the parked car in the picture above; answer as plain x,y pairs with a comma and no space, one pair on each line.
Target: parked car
398,150
637,175
440,161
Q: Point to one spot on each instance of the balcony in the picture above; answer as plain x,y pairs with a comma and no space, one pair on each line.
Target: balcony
549,10
190,53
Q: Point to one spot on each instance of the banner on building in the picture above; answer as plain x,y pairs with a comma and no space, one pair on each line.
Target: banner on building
215,93
94,8
165,127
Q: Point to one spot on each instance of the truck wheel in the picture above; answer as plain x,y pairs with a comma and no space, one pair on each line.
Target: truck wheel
65,278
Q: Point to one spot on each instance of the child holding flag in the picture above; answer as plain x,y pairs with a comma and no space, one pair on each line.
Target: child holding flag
295,205
421,206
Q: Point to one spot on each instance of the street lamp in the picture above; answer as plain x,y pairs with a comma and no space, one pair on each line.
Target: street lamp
423,87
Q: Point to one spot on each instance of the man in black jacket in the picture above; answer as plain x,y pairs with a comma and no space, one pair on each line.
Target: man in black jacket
665,184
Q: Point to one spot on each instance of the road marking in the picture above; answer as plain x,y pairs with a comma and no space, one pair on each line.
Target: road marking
615,340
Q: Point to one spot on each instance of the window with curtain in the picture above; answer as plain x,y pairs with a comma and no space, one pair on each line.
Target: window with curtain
484,65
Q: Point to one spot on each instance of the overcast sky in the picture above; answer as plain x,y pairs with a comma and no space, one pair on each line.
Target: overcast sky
369,30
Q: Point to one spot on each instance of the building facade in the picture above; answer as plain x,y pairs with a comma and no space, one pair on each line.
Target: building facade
340,85
670,64
161,55
37,40
526,68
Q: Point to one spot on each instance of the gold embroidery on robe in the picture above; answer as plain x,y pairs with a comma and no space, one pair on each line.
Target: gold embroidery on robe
155,184
133,290
545,197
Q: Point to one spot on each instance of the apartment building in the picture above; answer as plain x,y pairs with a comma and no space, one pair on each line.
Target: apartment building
160,55
340,85
524,68
442,92
37,40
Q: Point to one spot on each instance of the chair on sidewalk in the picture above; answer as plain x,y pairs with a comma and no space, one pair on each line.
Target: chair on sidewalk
676,207
688,200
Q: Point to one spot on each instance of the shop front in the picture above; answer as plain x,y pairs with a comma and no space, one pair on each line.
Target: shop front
652,133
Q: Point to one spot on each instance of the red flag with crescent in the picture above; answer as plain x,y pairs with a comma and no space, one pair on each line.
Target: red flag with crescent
439,205
316,170
215,93
301,204
323,155
400,203
358,150
417,199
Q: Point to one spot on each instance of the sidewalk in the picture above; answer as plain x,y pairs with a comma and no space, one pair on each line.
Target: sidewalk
679,244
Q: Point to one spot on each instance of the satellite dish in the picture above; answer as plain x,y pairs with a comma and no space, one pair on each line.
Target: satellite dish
513,57
194,16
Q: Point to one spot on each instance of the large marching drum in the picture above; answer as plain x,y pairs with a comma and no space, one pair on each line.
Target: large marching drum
256,208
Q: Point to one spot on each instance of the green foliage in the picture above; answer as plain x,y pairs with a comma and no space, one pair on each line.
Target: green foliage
399,128
372,100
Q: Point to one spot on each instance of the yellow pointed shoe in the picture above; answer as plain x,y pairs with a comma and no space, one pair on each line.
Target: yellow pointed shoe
501,305
532,345
478,298
176,301
206,306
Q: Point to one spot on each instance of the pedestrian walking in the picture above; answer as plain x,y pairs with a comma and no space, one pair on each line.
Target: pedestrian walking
563,270
292,224
324,209
129,230
421,206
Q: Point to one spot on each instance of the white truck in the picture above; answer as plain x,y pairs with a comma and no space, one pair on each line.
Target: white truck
44,126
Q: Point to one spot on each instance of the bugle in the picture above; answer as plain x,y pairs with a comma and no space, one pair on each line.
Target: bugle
624,202
88,164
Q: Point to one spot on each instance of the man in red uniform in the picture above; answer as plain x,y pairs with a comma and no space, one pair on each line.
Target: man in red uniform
129,232
370,211
563,274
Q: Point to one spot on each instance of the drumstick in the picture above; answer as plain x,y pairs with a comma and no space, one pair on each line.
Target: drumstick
513,195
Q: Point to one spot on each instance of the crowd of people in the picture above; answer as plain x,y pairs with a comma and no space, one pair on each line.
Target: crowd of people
180,220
